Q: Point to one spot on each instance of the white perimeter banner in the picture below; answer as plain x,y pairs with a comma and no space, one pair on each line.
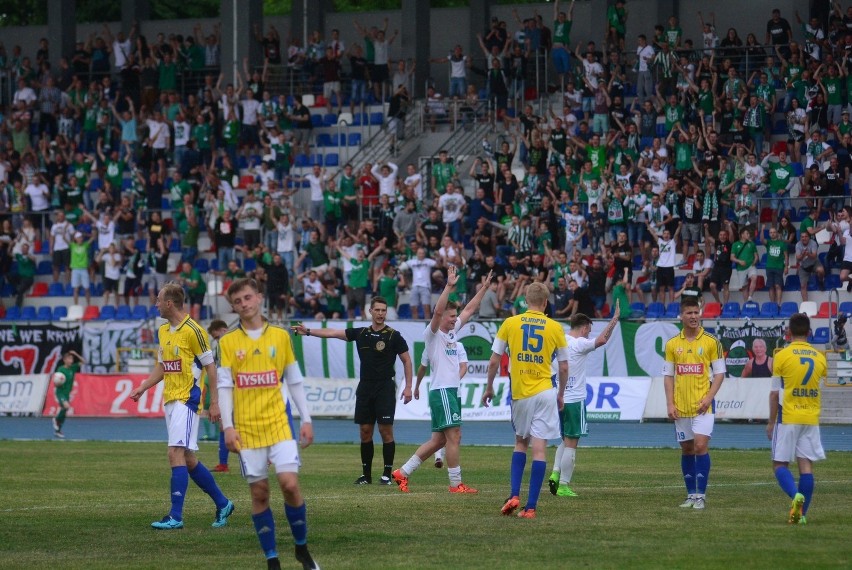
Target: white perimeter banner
607,399
23,394
737,399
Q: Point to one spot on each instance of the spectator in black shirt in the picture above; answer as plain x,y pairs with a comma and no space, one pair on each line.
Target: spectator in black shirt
779,33
582,301
597,286
431,227
278,286
271,43
721,274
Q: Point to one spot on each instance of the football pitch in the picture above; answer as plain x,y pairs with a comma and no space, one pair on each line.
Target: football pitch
89,505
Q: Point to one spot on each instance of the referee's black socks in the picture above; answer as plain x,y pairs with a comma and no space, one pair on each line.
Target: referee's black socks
388,451
367,459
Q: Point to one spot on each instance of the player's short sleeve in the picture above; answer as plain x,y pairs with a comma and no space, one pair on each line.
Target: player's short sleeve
399,344
287,355
558,334
777,365
461,352
225,353
776,383
424,358
586,345
353,333
668,365
562,354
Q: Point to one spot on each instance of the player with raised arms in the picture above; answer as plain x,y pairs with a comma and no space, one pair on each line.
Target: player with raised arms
531,340
794,409
573,414
258,369
184,350
441,336
692,375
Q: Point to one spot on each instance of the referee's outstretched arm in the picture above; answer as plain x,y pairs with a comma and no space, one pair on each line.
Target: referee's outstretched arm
301,330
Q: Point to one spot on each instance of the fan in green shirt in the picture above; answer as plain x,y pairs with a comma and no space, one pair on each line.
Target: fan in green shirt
776,265
443,172
201,133
389,285
519,307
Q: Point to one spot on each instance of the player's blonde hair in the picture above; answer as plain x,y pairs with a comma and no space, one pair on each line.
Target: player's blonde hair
174,292
537,295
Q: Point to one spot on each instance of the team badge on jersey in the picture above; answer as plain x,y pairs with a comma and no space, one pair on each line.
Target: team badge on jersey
380,345
241,354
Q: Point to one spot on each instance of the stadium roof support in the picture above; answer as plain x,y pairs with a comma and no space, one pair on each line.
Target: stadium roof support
61,30
237,35
416,41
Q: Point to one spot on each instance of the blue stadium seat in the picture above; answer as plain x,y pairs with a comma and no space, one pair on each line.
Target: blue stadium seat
60,312
165,204
354,139
28,313
153,312
315,160
206,312
821,335
140,313
846,307
214,264
56,290
142,245
655,311
301,160
338,139
637,262
788,309
69,290
731,310
637,310
124,313
792,283
202,265
750,310
13,313
174,246
249,265
798,169
377,118
95,184
126,184
678,282
404,311
832,281
768,311
44,313
323,139
107,313
332,159
7,290
316,120
44,268
762,263
242,163
329,120
673,310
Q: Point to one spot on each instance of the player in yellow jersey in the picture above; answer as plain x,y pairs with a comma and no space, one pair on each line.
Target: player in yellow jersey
693,373
258,369
184,350
531,340
794,408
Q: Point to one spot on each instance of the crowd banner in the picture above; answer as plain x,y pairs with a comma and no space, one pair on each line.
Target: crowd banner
108,396
35,349
23,394
737,399
100,341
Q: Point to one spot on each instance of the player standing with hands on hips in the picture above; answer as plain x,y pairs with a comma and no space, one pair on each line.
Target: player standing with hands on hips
375,398
794,408
692,374
258,369
184,349
573,414
441,336
531,340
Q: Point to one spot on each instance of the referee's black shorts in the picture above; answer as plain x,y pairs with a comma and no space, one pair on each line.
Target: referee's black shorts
375,402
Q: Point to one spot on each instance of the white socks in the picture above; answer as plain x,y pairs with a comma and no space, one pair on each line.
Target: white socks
410,466
567,465
557,461
455,475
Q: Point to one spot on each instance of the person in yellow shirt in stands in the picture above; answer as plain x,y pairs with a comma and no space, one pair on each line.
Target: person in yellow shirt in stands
794,409
532,341
184,351
693,372
258,380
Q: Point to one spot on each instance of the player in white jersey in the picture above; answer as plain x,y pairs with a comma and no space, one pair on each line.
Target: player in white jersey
843,235
573,414
421,372
441,336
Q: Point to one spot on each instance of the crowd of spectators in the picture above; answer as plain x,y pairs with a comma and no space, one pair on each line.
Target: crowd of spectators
662,153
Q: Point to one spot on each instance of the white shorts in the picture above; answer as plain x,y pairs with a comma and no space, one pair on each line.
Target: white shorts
791,441
284,456
686,428
420,296
80,278
537,416
740,279
182,424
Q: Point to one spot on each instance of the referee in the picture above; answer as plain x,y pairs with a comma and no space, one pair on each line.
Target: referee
375,398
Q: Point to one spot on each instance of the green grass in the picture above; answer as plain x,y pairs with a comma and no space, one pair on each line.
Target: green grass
88,505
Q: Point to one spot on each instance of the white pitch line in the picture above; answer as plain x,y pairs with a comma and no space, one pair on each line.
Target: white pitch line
397,494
